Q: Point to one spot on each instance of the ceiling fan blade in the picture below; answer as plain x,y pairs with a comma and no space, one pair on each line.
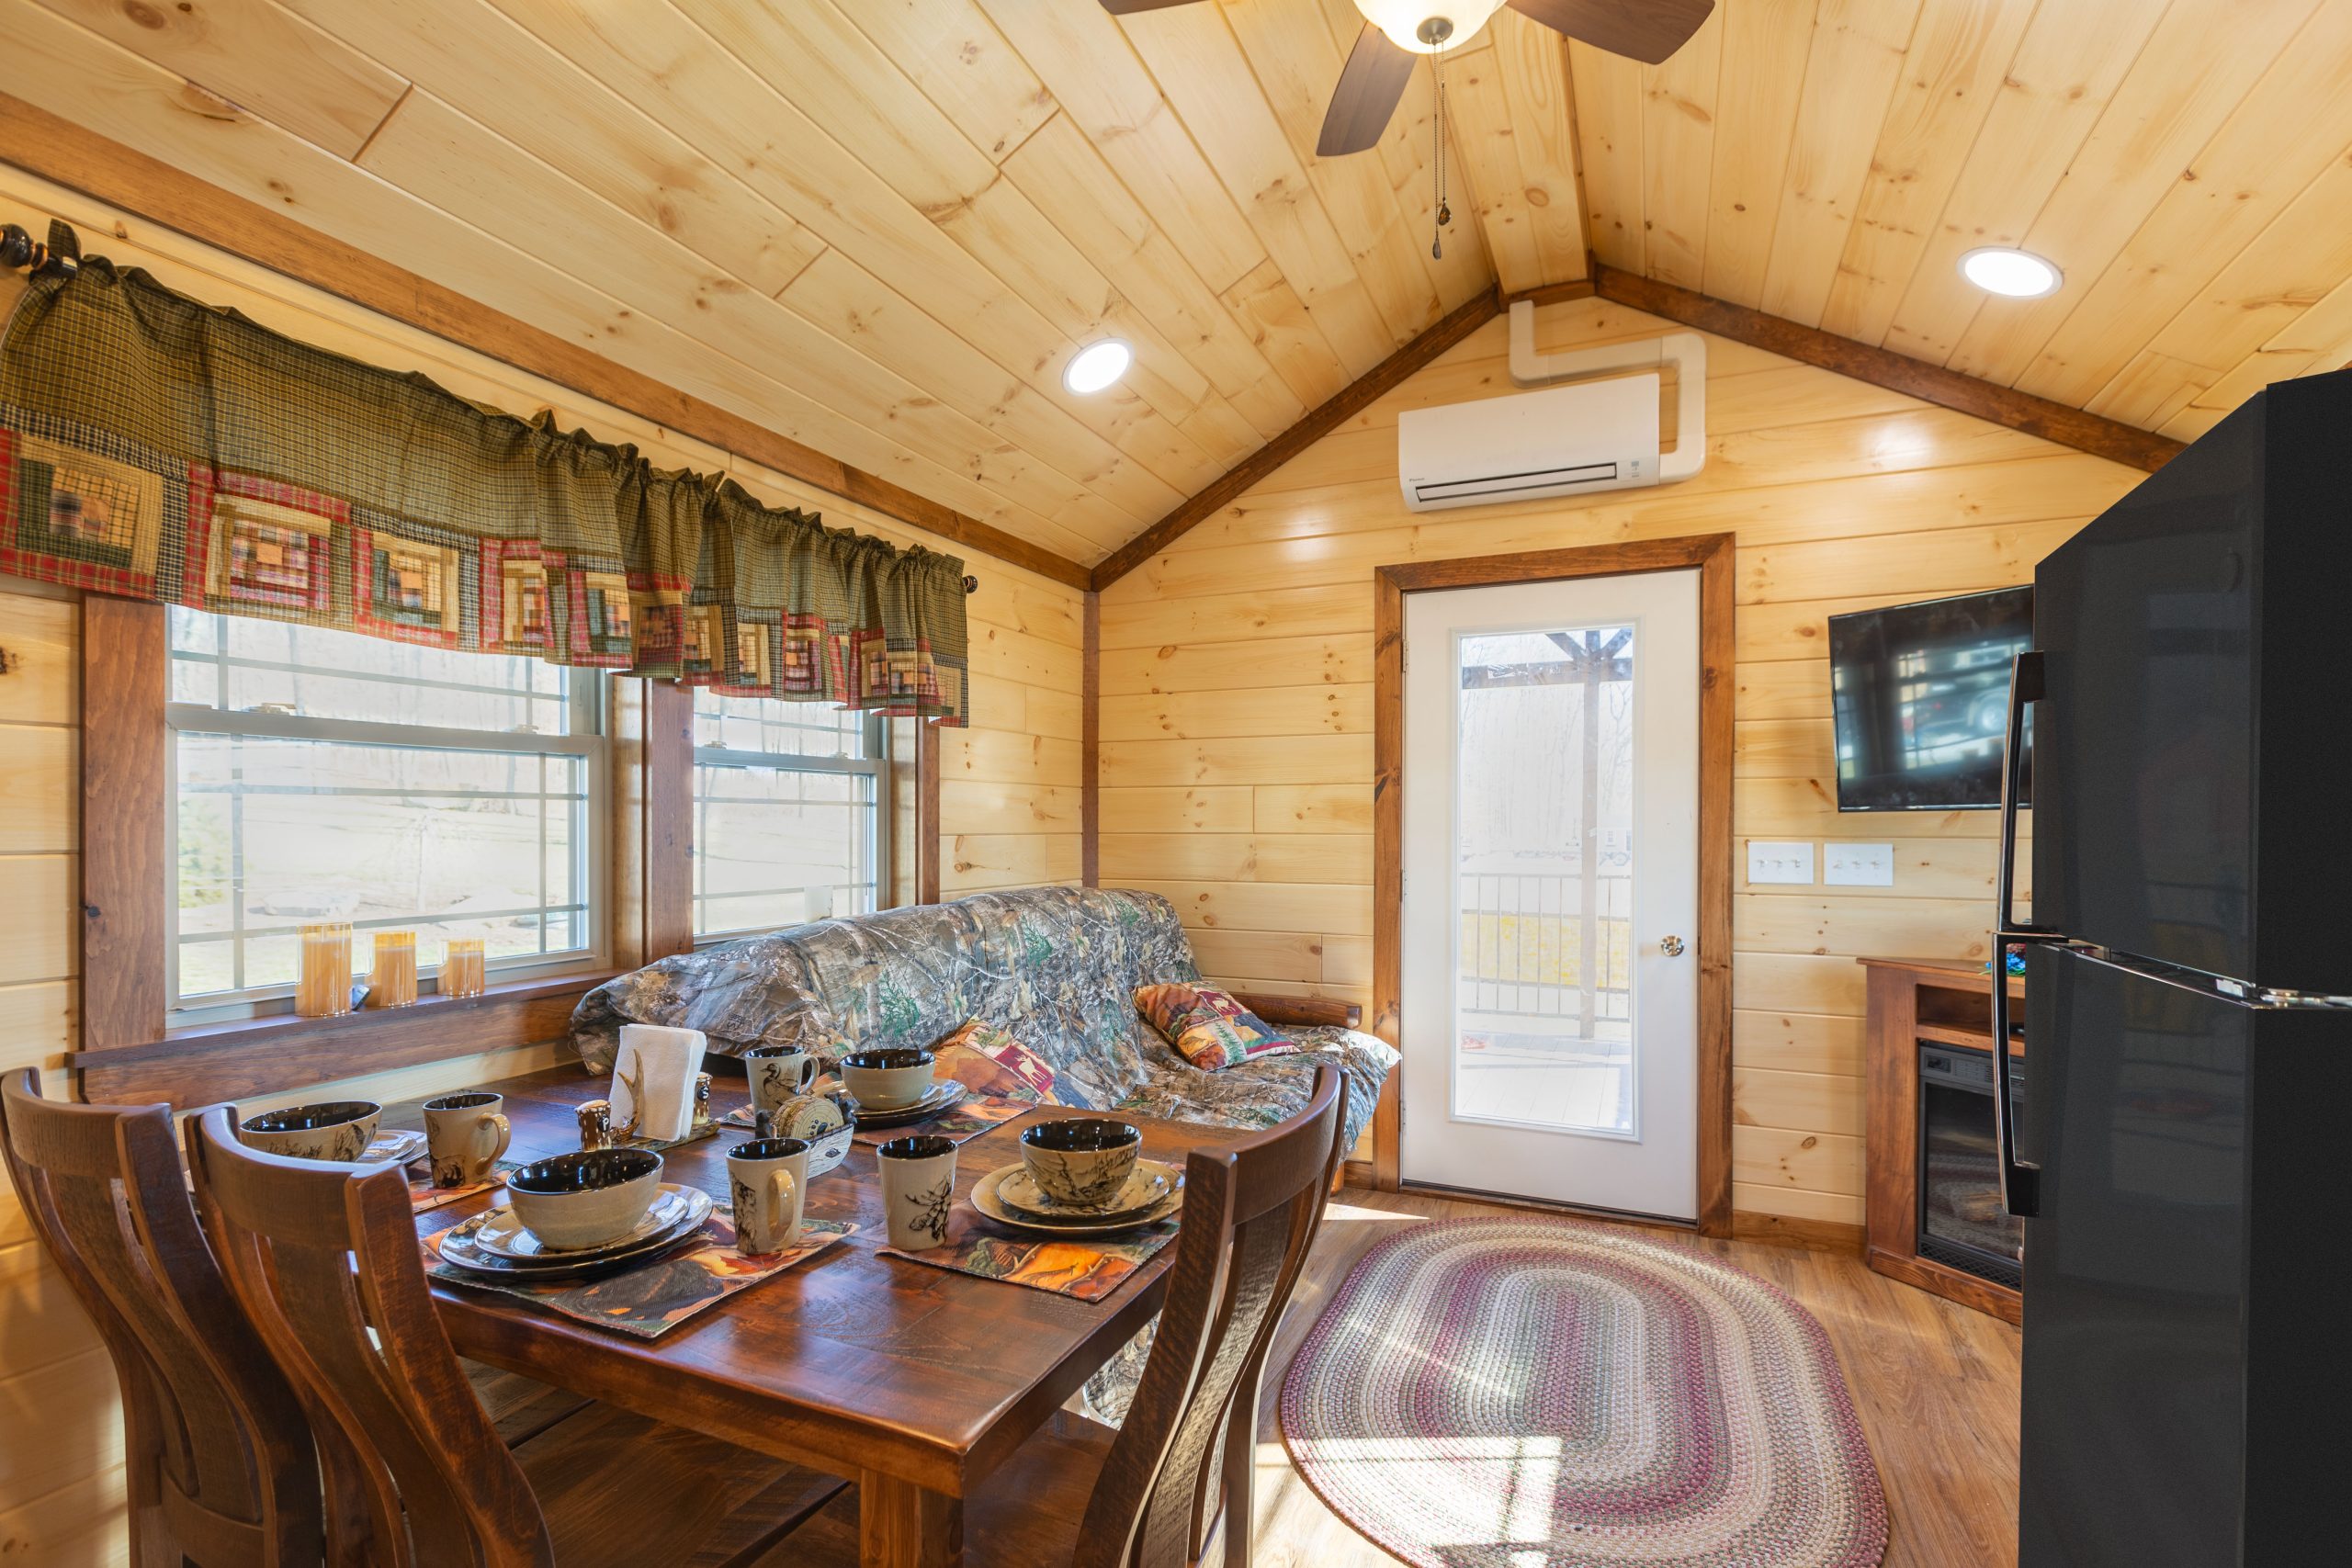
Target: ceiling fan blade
1646,30
1130,7
1370,84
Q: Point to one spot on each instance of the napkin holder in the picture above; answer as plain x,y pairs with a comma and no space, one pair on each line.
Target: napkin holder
654,1084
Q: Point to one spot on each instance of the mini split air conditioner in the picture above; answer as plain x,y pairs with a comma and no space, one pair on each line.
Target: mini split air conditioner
1563,440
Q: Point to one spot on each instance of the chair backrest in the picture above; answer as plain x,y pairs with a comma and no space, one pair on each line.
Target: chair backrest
1250,1215
220,1457
324,1259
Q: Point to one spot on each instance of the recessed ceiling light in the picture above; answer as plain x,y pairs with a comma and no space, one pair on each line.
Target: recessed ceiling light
1096,366
2020,274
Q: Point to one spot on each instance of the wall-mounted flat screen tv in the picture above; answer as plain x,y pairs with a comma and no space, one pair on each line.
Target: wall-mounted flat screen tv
1921,693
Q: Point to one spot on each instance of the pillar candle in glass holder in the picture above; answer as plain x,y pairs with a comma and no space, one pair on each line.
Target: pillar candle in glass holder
393,982
462,967
323,986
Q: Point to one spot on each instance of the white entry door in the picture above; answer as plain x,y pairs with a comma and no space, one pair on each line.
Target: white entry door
1550,972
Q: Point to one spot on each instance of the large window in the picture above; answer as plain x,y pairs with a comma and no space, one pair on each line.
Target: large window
789,807
327,776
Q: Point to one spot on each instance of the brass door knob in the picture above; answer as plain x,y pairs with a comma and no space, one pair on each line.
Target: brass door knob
1672,947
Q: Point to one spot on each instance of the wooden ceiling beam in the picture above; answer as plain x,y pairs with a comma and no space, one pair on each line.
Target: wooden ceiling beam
69,155
1340,407
2067,427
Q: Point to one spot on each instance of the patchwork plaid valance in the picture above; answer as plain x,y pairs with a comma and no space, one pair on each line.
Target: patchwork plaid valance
155,447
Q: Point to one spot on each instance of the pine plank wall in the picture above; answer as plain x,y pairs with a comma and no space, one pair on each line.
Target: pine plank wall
1237,669
1009,814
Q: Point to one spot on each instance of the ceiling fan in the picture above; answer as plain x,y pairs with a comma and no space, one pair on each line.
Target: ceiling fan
1395,30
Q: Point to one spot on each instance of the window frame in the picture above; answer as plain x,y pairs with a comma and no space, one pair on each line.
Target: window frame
131,1052
876,765
587,736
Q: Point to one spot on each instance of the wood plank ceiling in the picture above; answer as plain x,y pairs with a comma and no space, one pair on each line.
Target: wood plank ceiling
881,227
2187,164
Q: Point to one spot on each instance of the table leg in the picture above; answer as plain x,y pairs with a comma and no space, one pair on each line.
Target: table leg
901,1525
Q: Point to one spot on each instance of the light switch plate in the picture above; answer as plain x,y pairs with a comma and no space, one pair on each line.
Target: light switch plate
1771,861
1858,866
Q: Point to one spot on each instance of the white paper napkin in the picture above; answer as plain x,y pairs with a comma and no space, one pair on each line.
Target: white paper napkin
653,1079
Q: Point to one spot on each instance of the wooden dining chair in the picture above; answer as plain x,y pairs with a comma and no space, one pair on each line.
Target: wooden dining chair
324,1259
1151,1493
219,1461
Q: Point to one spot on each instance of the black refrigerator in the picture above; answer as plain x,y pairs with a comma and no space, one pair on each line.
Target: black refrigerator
2187,1180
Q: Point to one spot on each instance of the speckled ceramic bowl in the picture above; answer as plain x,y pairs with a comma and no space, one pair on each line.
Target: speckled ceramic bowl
1081,1161
577,1201
337,1130
886,1080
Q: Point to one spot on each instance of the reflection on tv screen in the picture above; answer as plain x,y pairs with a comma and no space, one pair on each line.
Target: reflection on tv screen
1920,694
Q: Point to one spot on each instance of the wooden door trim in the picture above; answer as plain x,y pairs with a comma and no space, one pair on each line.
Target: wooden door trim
1712,556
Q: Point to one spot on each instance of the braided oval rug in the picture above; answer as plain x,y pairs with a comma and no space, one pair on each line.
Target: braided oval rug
1533,1393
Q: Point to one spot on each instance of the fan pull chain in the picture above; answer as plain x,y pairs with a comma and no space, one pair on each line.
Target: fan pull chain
1444,213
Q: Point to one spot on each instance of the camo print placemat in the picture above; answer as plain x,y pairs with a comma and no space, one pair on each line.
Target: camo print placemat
647,1302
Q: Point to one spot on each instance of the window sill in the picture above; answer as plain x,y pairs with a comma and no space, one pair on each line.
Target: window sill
202,1063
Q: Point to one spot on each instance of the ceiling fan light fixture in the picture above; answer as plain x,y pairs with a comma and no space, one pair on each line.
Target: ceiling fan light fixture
1405,21
2018,274
1096,366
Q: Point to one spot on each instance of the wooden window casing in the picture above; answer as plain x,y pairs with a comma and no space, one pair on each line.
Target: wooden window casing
129,1054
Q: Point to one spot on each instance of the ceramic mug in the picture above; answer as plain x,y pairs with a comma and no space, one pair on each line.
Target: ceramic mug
777,1073
917,1188
1082,1161
769,1177
465,1133
339,1130
887,1081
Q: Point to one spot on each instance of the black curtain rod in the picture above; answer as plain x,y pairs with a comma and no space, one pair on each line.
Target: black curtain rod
20,249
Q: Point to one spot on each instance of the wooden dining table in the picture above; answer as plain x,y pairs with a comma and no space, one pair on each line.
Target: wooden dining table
915,1381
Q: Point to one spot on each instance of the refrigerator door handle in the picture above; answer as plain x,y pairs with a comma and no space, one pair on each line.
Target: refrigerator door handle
2025,687
2020,1181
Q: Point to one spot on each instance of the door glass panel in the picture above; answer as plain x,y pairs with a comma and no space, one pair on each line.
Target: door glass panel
1544,880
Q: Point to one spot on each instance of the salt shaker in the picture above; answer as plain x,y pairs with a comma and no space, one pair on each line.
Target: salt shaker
596,1124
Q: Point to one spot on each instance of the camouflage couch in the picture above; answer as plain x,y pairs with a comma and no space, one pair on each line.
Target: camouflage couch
1055,966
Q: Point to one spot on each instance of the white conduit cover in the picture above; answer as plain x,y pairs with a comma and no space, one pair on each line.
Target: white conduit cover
1687,352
